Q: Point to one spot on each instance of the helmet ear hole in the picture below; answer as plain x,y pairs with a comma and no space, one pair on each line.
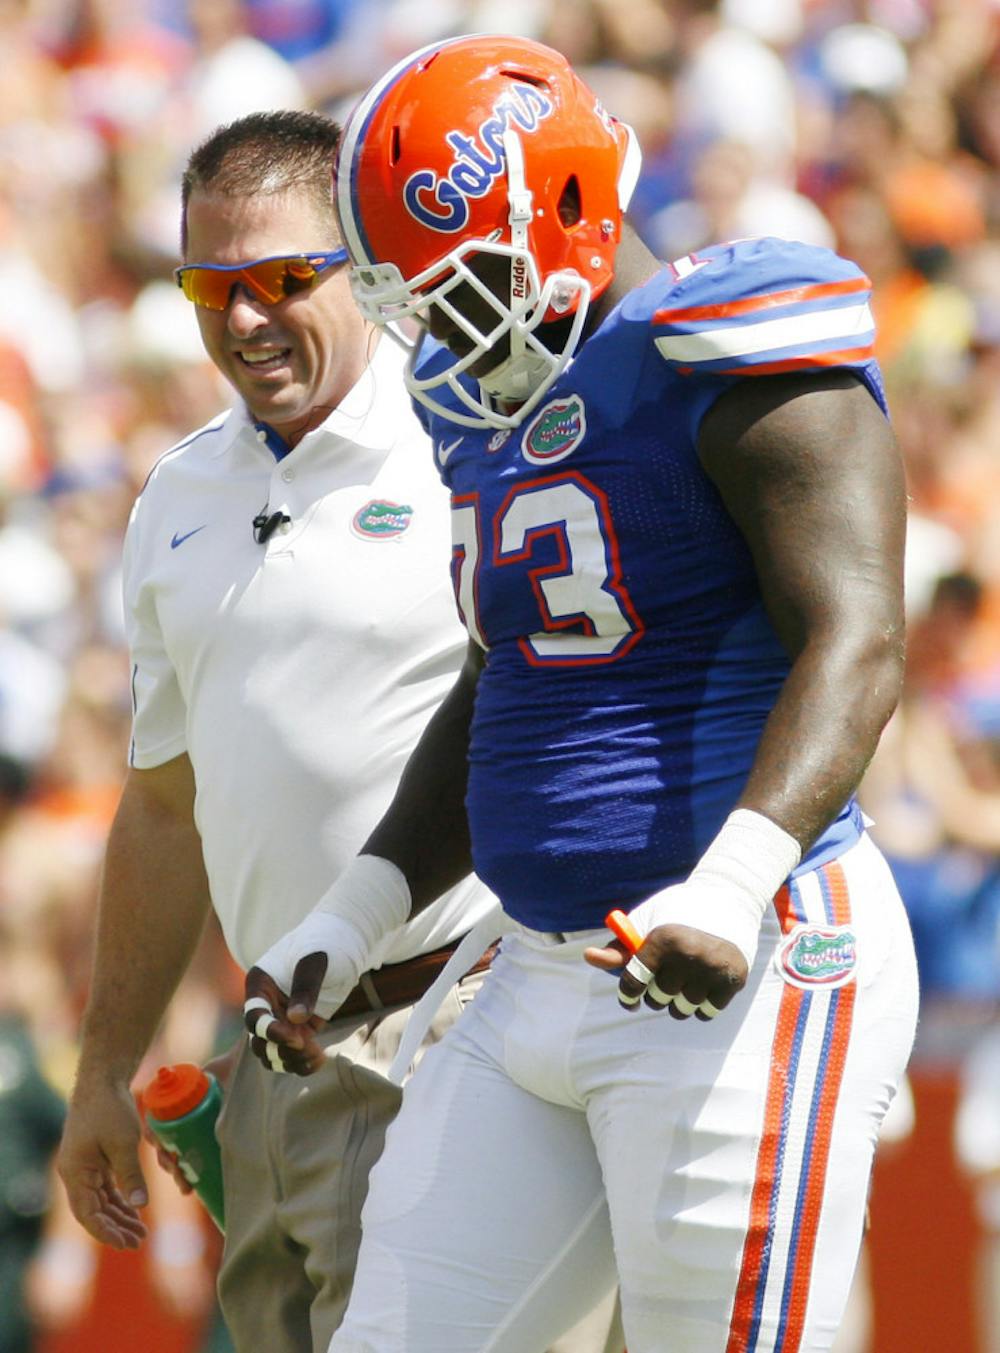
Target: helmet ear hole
569,207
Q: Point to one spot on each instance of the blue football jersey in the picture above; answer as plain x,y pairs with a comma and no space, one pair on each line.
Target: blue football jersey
631,665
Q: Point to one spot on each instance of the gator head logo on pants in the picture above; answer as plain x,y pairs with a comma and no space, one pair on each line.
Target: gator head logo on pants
555,431
381,520
818,956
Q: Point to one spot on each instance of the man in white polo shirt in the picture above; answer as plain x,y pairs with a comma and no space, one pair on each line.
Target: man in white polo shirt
291,630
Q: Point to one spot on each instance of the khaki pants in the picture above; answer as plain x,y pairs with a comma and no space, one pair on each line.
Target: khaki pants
296,1155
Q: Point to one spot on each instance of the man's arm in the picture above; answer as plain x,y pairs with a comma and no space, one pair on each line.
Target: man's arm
419,849
153,906
809,470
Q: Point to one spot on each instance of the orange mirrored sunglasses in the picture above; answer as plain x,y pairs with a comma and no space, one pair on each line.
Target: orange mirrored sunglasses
271,280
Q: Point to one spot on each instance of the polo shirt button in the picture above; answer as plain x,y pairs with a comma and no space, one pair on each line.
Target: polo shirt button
288,475
261,435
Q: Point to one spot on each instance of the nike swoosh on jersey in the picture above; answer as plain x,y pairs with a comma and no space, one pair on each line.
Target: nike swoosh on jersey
178,539
444,452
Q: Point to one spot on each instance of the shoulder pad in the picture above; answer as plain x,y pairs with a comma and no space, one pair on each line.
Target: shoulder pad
764,306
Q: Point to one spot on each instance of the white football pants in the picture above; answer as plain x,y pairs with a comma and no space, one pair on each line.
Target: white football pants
733,1157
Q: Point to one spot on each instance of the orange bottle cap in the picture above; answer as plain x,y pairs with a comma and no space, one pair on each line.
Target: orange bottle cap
175,1091
619,924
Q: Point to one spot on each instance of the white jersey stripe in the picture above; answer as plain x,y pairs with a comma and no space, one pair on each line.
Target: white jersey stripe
842,325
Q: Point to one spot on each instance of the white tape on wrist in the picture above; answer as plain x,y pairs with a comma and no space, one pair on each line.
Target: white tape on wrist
731,886
350,924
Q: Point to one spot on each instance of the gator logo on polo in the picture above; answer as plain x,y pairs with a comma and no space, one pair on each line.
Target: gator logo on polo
818,956
554,432
381,520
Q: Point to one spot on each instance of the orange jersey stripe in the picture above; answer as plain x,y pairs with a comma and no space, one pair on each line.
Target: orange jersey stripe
802,363
748,304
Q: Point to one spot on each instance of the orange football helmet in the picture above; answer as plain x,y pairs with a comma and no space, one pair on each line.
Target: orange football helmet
485,145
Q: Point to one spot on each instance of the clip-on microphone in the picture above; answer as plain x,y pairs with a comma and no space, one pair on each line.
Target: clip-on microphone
265,524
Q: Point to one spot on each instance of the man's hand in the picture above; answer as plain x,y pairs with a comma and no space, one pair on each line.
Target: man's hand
98,1162
691,972
166,1160
221,1068
282,1029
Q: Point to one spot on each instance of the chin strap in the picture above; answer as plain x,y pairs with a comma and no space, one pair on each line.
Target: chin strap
519,217
519,374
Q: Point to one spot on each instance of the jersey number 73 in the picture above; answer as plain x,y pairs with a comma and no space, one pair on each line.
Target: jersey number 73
586,613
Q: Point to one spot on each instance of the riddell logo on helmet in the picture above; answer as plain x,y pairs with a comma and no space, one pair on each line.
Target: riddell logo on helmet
519,279
442,203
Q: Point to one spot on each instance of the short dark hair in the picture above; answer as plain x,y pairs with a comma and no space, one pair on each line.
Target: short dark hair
266,153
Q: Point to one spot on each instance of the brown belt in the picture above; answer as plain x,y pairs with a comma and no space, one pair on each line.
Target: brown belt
403,983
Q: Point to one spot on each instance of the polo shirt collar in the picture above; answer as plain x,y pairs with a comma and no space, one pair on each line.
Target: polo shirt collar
367,421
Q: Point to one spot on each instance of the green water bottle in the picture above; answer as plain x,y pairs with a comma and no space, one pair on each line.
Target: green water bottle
181,1104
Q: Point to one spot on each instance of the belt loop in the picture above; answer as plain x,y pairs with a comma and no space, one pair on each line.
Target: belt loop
371,991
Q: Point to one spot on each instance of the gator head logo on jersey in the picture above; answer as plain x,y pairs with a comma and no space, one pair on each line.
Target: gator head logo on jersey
818,956
380,520
553,434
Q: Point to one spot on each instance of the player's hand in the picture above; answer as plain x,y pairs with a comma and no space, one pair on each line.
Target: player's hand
670,963
282,1029
98,1162
690,972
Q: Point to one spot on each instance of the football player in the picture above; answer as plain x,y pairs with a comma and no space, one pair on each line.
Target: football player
678,519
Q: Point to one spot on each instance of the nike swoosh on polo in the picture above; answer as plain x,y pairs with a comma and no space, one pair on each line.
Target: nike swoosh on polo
179,539
445,451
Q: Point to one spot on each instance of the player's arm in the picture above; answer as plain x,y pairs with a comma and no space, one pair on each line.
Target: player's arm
809,470
425,831
419,849
153,905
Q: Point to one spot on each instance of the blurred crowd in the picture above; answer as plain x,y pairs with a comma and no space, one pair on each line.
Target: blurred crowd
870,126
